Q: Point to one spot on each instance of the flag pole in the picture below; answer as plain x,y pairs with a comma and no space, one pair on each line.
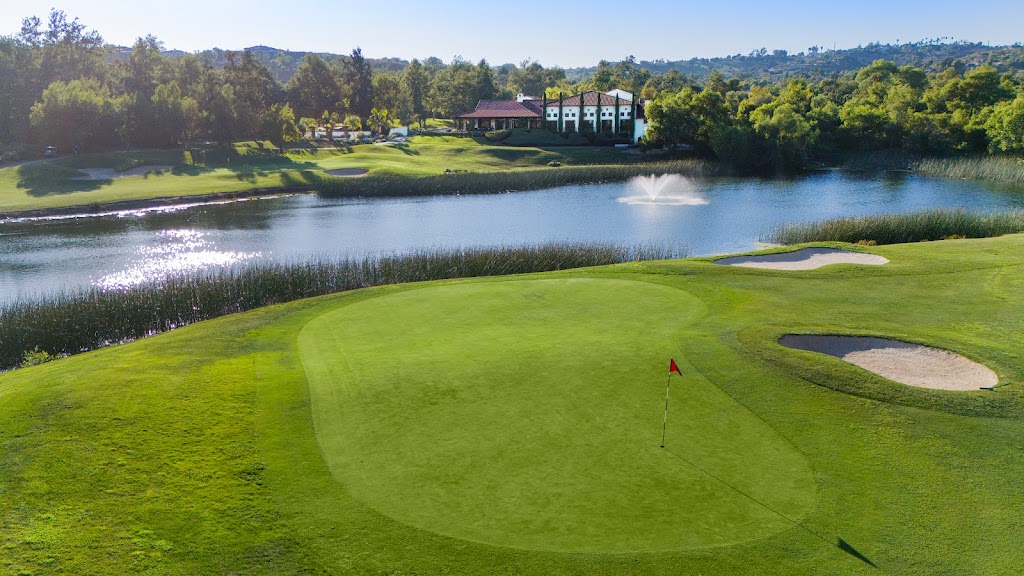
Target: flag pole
664,424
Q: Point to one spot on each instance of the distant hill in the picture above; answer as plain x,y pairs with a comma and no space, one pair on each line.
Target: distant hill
818,62
815,63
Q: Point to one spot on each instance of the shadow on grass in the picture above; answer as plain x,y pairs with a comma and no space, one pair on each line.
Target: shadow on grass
845,547
60,178
40,180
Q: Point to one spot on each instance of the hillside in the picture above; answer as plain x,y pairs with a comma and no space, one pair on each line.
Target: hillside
815,63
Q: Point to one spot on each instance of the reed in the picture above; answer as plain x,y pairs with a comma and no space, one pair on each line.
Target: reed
72,322
506,181
901,228
992,168
1006,169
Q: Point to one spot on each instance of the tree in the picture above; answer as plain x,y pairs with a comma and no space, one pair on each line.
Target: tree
353,122
864,125
315,88
256,90
69,112
416,84
787,130
1005,126
604,78
67,50
688,117
389,93
483,82
279,125
380,120
169,126
453,89
357,76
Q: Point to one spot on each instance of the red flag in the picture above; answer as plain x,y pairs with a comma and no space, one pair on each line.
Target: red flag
673,368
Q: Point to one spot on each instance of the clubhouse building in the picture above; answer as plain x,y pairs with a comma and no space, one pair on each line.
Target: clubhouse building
615,112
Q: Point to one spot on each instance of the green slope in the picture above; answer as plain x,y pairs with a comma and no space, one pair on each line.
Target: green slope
56,183
197,451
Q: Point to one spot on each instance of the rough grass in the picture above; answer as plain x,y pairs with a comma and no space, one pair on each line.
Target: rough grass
70,323
902,228
194,452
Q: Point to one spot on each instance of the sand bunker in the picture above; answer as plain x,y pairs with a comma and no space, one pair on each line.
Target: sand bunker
348,172
803,259
110,173
903,362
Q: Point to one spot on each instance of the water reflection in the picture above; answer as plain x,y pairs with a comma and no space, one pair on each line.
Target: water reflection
720,215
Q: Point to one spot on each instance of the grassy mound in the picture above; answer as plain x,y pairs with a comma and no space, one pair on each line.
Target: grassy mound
214,448
532,419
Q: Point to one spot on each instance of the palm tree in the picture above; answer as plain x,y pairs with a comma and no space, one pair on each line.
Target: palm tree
380,120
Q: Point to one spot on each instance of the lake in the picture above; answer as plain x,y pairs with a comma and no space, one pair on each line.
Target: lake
715,216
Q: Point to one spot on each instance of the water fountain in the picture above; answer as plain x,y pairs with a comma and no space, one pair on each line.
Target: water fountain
667,189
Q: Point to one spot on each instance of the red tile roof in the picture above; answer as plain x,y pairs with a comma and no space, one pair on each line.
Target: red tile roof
504,109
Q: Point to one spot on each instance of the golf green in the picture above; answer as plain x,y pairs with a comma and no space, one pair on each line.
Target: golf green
528,414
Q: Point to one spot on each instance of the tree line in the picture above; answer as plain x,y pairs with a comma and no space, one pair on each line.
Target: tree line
61,84
780,126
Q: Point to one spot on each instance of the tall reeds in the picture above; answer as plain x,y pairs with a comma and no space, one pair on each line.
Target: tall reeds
1004,169
70,323
901,228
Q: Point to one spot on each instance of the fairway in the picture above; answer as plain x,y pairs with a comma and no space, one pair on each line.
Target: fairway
528,414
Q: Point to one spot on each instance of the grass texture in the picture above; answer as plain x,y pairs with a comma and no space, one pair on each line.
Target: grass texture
510,426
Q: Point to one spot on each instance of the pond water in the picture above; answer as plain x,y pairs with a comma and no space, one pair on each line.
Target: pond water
700,217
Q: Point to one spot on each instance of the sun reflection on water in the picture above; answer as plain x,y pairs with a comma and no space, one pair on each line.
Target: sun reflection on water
178,252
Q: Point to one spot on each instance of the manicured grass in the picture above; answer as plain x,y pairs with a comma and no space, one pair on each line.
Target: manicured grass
216,448
545,435
53,184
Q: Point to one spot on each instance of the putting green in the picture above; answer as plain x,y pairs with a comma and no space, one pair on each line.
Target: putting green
528,414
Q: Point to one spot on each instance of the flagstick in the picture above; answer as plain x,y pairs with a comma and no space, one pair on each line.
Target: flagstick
664,424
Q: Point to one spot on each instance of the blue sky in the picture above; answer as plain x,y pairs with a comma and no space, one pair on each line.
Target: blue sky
572,32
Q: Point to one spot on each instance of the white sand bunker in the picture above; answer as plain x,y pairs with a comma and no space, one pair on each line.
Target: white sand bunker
803,259
110,173
348,172
911,364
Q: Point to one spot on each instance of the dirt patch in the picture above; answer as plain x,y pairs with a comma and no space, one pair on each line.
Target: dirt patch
911,364
803,259
348,172
110,173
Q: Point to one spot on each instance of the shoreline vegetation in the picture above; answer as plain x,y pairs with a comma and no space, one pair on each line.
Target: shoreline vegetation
69,323
920,226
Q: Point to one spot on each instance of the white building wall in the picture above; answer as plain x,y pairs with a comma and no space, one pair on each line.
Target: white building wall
639,129
568,112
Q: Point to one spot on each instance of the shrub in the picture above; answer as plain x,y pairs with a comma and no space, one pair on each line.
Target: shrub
35,357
